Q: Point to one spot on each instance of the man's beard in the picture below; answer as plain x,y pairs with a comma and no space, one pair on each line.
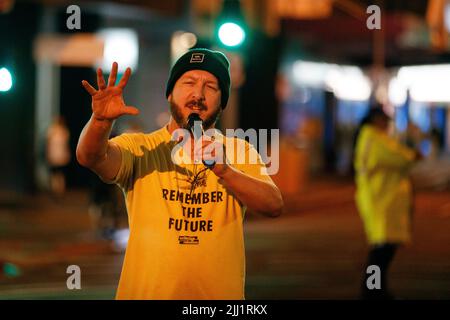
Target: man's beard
177,115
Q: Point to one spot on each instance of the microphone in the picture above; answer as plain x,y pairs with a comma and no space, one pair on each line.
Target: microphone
195,125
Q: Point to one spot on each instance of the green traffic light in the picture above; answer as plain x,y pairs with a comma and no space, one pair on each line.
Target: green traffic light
230,25
231,34
5,80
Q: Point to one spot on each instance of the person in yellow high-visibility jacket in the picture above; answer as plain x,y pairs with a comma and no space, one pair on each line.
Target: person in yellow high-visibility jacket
383,194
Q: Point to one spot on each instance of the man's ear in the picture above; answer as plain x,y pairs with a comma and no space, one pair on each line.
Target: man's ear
169,97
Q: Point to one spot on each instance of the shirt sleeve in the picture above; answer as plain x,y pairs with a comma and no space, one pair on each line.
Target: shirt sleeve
253,164
128,147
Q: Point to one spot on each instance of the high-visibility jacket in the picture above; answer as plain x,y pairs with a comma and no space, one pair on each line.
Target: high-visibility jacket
383,187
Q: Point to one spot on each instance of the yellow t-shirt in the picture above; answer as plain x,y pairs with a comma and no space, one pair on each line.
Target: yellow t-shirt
180,246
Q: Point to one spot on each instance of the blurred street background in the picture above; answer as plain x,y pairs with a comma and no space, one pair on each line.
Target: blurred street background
316,250
310,68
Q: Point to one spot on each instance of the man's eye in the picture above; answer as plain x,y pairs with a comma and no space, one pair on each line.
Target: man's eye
213,87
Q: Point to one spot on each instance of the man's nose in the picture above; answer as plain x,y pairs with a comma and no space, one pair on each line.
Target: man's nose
198,92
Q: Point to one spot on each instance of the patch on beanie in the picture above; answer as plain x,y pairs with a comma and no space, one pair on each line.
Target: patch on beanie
197,57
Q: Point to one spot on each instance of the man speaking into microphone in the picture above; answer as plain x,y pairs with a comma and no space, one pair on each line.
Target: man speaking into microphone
185,217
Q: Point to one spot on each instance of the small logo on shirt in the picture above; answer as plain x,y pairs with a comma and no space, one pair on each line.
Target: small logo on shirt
197,57
195,180
188,240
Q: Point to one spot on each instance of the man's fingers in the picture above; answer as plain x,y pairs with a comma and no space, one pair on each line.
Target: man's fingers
123,82
113,75
100,80
131,110
88,87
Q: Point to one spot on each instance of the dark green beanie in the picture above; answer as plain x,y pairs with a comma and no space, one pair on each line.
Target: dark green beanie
214,62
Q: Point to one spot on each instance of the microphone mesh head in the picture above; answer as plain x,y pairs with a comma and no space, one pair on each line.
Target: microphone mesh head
192,118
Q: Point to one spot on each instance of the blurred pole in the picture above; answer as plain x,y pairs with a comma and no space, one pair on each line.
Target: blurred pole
47,107
329,120
230,117
378,51
378,54
47,98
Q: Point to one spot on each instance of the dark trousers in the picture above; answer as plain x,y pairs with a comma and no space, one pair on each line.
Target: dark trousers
380,255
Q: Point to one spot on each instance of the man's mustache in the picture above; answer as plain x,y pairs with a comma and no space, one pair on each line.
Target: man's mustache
196,103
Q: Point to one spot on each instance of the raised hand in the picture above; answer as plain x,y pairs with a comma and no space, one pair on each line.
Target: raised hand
107,101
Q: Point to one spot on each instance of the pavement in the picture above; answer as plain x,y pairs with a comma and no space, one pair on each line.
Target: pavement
315,250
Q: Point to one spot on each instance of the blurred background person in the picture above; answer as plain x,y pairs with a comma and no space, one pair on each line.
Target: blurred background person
383,194
58,155
437,143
